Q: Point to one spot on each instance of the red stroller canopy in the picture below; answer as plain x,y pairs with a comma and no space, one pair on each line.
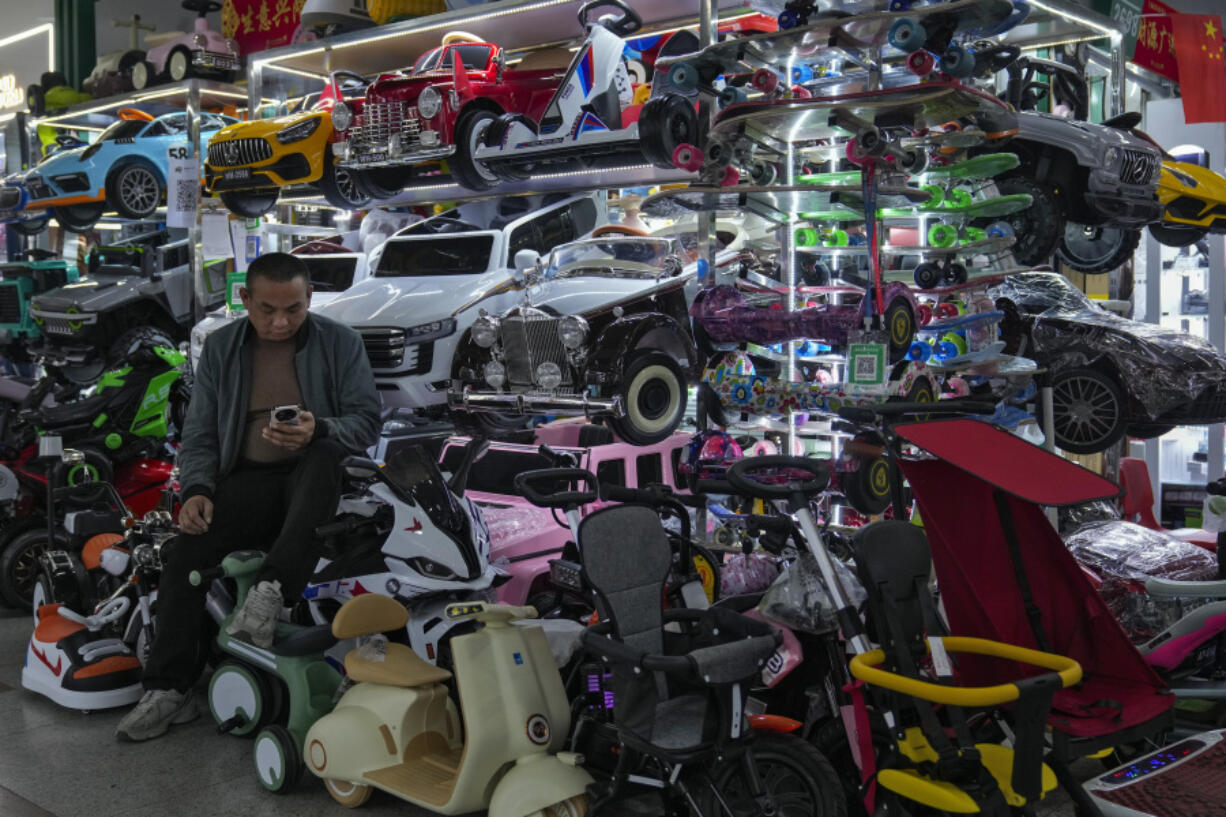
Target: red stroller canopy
984,490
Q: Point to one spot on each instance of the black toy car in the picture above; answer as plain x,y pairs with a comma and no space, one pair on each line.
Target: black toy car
1110,375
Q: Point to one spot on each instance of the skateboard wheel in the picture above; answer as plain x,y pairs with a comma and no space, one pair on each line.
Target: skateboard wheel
919,351
683,77
936,195
907,35
927,275
730,177
921,63
923,314
800,92
802,73
731,95
958,61
836,238
947,309
942,235
974,234
765,80
763,173
1000,229
687,157
955,274
806,237
954,340
788,19
912,161
958,198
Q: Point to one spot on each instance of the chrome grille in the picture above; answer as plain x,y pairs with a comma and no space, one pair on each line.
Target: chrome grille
238,152
57,326
379,120
1139,167
384,347
527,342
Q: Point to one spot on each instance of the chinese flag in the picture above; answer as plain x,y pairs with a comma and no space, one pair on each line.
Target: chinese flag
1202,69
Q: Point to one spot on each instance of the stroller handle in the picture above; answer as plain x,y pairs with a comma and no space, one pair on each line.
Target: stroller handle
865,667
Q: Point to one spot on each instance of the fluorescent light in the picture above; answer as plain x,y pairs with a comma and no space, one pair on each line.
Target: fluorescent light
1068,15
299,72
45,28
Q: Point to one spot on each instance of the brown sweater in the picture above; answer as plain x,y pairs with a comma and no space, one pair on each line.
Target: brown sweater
274,382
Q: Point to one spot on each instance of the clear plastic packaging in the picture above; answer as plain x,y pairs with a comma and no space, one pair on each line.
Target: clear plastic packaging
799,600
373,648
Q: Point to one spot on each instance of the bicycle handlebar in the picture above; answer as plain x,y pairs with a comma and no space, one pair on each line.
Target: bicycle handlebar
525,482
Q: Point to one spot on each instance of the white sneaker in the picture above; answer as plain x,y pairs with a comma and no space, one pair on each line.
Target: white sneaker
155,712
256,621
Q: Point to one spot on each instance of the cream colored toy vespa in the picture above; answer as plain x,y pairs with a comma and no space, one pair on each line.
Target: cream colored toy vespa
398,730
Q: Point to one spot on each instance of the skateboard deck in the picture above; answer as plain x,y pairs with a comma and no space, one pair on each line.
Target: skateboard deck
775,203
979,167
779,49
986,246
959,322
987,208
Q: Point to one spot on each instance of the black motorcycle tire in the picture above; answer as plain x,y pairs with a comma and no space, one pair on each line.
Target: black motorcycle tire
779,759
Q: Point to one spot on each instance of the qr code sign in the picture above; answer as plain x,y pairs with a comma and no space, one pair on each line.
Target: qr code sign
182,187
866,368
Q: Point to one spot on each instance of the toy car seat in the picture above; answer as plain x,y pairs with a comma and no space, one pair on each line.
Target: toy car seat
680,708
951,773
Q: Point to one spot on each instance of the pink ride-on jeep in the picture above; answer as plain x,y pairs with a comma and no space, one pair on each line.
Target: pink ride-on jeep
174,55
528,537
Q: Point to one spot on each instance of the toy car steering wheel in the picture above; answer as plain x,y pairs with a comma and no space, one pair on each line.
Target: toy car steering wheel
628,23
788,484
201,7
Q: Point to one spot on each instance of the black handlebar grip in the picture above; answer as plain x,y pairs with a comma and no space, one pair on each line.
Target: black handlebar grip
713,486
525,481
339,528
203,577
620,493
770,524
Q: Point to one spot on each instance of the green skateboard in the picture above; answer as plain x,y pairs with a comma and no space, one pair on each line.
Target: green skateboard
986,208
987,166
777,203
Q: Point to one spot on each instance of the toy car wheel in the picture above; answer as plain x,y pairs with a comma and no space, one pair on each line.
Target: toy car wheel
251,203
342,189
239,698
899,321
349,795
921,391
1038,228
134,190
19,566
665,123
470,134
78,218
383,183
927,275
1175,235
278,760
1089,410
179,64
1097,247
654,395
867,488
31,226
133,340
142,74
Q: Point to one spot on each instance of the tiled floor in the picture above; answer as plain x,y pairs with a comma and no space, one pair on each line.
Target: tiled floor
61,763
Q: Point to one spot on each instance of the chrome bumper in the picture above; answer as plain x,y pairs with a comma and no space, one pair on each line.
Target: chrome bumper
536,403
387,158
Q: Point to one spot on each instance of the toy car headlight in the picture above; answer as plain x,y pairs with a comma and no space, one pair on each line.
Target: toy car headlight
200,41
572,331
495,374
342,116
485,331
1111,158
548,375
429,103
300,131
430,331
232,45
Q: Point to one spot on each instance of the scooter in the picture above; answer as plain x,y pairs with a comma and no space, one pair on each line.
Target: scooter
397,729
586,117
407,533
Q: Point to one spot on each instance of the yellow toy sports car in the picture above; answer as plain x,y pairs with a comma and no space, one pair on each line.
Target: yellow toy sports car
1194,202
249,162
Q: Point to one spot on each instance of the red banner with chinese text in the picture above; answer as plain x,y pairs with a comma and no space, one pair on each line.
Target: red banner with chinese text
1202,61
260,24
1155,41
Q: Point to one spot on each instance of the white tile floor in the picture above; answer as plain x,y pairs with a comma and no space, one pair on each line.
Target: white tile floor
61,763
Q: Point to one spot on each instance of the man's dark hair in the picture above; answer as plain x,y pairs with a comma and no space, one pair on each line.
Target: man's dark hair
278,267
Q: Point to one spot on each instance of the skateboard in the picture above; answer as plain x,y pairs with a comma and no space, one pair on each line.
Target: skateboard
928,28
749,134
988,208
940,264
987,166
775,203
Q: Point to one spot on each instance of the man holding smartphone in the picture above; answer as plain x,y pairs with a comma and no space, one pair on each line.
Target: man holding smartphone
279,400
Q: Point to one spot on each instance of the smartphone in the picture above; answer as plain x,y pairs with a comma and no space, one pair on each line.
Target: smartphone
285,415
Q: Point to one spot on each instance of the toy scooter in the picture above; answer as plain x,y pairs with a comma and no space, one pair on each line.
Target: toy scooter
245,692
398,730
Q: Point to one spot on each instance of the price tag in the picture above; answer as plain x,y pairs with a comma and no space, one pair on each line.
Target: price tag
866,364
182,186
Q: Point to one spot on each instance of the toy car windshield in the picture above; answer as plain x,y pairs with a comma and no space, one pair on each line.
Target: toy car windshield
475,58
444,255
1045,293
627,257
123,129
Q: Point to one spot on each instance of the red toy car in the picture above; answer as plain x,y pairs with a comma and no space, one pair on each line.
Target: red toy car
432,111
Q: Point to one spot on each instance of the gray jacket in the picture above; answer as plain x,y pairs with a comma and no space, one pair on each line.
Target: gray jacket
333,375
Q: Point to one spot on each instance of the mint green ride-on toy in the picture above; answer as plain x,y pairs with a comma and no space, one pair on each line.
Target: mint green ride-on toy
20,281
276,693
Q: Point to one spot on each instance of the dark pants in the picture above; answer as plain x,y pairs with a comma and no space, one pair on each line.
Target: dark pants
274,508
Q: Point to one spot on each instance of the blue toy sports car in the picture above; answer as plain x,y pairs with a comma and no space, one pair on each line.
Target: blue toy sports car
124,170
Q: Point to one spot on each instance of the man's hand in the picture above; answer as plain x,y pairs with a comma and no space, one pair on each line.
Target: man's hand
293,437
196,514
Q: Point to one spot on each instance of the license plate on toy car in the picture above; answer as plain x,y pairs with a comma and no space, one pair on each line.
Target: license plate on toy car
366,158
242,174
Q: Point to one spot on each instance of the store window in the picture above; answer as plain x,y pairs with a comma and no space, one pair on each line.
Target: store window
649,469
611,472
450,255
